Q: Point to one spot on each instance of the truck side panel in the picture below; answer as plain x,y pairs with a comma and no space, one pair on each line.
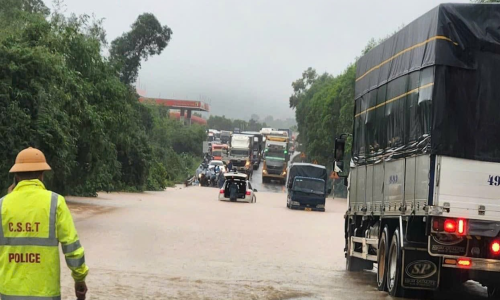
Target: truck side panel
369,188
423,168
410,175
394,186
352,189
378,188
361,189
469,186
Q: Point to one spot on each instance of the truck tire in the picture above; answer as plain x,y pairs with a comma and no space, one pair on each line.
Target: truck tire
383,250
394,266
493,292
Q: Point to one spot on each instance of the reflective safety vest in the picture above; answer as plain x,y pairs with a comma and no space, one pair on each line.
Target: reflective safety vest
33,222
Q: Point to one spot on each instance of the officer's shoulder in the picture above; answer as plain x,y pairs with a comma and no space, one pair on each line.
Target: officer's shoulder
58,196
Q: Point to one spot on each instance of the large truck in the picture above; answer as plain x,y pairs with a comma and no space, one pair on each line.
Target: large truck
218,150
288,132
241,153
257,147
275,159
424,178
306,186
225,137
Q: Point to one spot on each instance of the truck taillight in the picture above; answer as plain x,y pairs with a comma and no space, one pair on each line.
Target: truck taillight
461,226
249,193
449,225
495,247
464,262
221,191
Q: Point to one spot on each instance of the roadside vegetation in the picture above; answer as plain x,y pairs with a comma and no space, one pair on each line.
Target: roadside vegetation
59,93
254,124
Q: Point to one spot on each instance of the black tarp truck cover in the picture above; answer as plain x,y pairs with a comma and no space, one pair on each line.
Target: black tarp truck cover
432,88
306,170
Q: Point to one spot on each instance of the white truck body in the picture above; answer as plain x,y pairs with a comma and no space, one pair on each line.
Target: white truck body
469,188
240,141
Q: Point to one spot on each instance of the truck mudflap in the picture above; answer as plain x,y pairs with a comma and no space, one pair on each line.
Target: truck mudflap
447,244
420,270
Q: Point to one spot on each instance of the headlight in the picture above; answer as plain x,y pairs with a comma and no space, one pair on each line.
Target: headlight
247,164
199,176
284,173
264,171
295,203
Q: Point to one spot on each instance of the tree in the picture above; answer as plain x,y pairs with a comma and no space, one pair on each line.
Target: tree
255,117
146,38
59,94
300,85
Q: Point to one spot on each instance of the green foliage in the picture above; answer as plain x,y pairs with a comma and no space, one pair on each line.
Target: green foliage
325,110
59,94
146,38
223,123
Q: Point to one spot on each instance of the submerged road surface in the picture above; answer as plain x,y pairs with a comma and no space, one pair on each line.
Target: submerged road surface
184,244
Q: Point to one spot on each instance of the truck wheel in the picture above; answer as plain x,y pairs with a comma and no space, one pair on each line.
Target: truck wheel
383,250
493,292
394,267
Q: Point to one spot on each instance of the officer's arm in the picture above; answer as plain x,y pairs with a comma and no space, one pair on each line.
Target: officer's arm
68,237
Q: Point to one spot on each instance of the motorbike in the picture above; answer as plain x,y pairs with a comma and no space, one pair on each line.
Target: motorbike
211,177
203,177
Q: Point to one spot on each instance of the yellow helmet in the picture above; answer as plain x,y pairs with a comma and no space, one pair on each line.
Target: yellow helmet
30,160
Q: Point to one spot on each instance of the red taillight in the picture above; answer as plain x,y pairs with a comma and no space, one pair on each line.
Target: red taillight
221,191
435,224
450,225
495,247
461,226
249,193
464,262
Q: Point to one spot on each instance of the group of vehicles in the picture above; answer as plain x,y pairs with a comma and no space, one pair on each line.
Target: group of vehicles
424,176
306,187
246,150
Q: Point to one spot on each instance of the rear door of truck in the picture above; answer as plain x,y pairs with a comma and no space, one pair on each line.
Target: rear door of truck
470,188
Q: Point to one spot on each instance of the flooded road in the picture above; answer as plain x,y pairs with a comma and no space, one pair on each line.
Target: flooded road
184,244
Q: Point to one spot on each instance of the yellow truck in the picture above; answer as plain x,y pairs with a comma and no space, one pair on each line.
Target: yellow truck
275,159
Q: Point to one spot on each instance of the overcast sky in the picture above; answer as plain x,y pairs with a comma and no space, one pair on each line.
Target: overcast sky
244,54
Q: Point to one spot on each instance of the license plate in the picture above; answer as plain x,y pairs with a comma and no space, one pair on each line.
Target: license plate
307,209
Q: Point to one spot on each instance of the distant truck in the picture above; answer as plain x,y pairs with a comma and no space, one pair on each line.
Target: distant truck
218,150
225,137
275,159
288,132
236,130
241,153
306,186
257,147
424,171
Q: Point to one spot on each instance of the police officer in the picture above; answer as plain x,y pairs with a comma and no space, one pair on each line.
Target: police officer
33,222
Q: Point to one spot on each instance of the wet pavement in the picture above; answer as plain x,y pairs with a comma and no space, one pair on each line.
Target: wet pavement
184,244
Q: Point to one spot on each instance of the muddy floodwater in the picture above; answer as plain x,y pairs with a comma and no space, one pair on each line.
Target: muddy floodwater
184,244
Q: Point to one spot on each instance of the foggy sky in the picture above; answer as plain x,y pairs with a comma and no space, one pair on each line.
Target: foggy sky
244,54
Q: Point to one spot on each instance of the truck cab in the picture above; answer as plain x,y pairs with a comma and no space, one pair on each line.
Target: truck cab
307,187
218,150
241,153
275,159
